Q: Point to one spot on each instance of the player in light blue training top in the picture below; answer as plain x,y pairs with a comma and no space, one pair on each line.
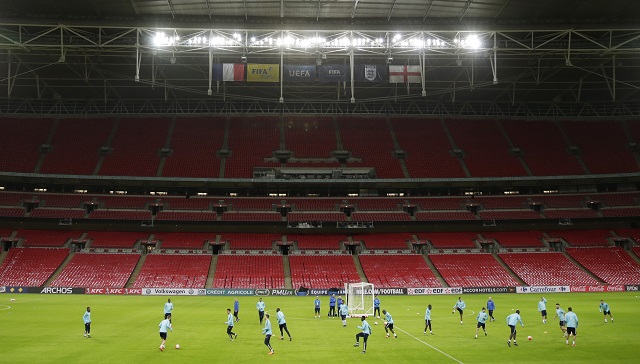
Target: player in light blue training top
282,324
316,307
427,320
388,326
260,306
572,324
364,334
560,316
512,321
168,308
267,334
542,308
459,306
164,325
482,320
232,335
86,318
236,309
604,307
376,307
344,312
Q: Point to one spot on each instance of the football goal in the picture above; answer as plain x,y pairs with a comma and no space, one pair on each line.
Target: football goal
359,298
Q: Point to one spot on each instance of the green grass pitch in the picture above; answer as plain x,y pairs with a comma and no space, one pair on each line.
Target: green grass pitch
39,328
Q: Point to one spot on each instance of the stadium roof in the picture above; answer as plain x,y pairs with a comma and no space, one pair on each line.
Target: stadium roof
491,57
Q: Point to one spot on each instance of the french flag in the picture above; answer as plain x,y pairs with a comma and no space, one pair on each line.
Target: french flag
228,72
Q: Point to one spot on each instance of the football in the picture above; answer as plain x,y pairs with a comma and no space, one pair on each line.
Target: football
529,338
178,345
375,323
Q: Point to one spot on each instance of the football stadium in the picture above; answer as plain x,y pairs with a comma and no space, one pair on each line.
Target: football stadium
443,181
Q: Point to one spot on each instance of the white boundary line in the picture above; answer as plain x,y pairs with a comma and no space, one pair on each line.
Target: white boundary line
431,346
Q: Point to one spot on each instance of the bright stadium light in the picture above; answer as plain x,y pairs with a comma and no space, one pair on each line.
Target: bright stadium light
473,42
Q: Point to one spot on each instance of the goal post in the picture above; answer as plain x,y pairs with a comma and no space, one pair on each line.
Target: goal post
359,298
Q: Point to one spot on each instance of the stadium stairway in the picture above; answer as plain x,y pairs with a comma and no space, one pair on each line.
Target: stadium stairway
57,272
508,139
570,144
212,271
136,271
356,261
434,270
287,272
508,269
463,165
3,255
43,155
167,145
583,268
112,135
396,146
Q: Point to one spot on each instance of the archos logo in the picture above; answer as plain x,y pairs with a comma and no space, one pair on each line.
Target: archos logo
57,290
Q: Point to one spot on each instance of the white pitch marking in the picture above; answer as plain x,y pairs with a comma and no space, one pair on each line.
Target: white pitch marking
431,346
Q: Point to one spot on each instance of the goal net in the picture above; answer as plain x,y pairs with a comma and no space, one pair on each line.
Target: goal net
359,298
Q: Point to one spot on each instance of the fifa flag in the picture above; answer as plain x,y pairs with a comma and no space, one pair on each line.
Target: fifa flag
228,72
333,73
257,72
404,74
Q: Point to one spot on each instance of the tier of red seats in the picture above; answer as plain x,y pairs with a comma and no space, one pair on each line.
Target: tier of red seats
309,136
316,216
115,239
252,204
509,215
583,237
445,215
612,264
570,213
251,216
452,240
633,233
561,201
602,145
541,141
440,203
472,270
380,216
174,271
370,139
390,270
49,238
618,199
125,202
249,271
322,271
516,239
194,145
376,204
621,212
184,240
120,215
12,211
547,268
20,143
76,144
502,202
191,203
486,149
62,200
317,242
385,241
97,271
314,204
251,140
186,215
30,267
428,148
57,213
636,250
240,241
13,198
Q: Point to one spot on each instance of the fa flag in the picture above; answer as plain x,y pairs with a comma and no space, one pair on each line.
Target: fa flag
405,74
371,73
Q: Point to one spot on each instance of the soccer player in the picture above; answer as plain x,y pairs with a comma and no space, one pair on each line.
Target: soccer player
512,321
482,319
344,311
542,308
491,306
260,306
316,307
427,320
282,324
236,309
388,323
168,308
376,307
164,325
560,314
364,334
267,334
572,323
604,307
339,302
459,306
332,306
232,335
87,322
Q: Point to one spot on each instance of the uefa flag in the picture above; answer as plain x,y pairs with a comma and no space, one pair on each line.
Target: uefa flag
404,74
228,72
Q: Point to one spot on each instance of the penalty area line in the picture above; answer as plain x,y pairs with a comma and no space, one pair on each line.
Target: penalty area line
431,346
